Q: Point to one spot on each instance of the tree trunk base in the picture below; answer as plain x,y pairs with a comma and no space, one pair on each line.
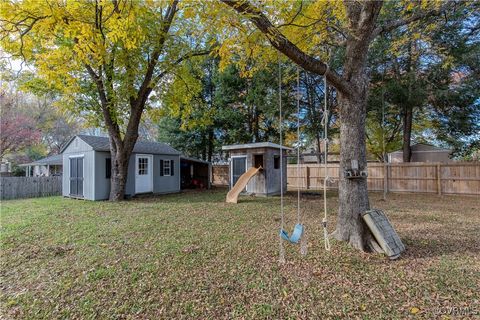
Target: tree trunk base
365,243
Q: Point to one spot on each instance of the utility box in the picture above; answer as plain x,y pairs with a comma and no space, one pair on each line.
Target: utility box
266,182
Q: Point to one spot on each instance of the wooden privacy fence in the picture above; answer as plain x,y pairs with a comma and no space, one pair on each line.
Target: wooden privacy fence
423,177
29,187
220,175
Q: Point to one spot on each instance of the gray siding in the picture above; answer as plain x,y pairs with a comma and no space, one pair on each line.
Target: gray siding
161,184
102,183
76,148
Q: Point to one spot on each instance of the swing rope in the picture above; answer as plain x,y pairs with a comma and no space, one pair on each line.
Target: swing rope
282,219
298,231
298,145
303,239
325,145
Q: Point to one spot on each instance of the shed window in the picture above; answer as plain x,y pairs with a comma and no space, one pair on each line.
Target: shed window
276,162
142,166
167,168
108,168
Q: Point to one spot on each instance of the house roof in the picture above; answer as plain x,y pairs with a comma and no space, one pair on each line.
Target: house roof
193,159
423,147
56,159
255,145
103,144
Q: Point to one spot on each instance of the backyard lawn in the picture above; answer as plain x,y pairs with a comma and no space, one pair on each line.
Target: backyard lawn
191,255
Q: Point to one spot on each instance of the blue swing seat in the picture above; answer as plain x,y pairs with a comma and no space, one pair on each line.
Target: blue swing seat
296,234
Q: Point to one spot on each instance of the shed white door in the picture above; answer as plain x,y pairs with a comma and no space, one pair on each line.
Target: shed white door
143,173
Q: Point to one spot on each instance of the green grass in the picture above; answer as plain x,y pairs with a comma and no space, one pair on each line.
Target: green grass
193,256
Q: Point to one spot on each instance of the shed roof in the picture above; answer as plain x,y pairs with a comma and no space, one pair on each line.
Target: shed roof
193,159
424,147
103,144
255,145
55,159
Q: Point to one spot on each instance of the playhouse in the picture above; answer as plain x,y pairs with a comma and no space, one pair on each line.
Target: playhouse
255,168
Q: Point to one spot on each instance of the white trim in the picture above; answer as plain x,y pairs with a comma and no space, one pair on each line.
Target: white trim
150,170
77,156
169,168
231,169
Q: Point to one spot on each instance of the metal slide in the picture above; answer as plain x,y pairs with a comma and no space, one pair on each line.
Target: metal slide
232,195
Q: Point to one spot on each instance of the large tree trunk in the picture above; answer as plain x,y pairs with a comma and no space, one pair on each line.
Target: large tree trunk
211,139
353,195
407,133
119,175
120,152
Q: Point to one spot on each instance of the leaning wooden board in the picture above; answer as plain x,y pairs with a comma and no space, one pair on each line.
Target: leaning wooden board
384,233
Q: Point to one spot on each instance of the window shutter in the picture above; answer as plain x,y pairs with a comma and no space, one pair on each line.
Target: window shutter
172,168
161,167
108,168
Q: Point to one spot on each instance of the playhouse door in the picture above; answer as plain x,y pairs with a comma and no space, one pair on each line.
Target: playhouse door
143,174
239,166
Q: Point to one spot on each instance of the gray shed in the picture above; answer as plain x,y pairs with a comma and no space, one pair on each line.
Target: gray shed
422,152
264,154
153,168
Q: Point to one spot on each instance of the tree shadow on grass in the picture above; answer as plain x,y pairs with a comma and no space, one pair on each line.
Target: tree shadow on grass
439,241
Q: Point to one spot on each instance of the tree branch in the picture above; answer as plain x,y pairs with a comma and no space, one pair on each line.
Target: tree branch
282,44
168,18
415,17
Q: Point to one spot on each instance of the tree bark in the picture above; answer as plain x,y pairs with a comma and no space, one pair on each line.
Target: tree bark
211,139
119,175
407,133
353,194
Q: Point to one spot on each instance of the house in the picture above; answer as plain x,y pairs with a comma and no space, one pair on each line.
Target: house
422,152
313,157
153,168
46,167
5,168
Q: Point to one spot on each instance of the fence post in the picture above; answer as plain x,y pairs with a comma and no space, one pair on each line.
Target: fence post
439,179
385,181
307,177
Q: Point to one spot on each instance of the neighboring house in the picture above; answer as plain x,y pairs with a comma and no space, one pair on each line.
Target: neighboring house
153,168
313,157
5,168
422,152
46,167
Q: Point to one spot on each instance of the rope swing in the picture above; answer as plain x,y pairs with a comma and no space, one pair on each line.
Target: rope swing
299,228
325,152
298,234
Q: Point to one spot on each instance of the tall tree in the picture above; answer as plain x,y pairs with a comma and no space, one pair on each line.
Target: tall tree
429,78
105,57
299,31
18,129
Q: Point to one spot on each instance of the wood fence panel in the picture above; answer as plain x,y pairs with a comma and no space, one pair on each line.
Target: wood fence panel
422,177
460,178
413,177
375,179
220,175
29,187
